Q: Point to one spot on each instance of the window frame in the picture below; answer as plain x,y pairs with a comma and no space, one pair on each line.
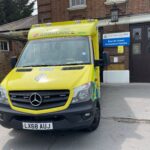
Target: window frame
2,50
76,5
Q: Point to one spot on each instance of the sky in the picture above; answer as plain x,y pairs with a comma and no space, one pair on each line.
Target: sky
35,8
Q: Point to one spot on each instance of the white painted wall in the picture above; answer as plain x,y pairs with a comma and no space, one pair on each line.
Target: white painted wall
116,76
140,18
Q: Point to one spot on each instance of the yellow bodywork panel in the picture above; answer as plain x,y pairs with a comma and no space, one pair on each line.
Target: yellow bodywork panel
63,29
56,79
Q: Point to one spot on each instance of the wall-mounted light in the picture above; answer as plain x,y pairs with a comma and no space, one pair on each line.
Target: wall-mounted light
114,13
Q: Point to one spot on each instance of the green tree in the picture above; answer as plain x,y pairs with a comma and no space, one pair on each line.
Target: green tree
12,10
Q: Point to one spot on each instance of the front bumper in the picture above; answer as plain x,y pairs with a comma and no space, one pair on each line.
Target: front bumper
75,117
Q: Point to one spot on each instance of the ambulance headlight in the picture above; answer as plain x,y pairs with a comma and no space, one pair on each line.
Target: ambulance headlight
82,93
3,96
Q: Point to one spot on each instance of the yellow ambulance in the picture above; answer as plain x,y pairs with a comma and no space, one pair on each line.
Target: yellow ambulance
55,84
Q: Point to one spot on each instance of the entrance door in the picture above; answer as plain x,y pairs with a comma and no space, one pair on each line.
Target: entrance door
140,53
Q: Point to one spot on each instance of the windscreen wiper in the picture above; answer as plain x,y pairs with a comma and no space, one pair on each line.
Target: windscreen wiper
73,64
46,65
37,66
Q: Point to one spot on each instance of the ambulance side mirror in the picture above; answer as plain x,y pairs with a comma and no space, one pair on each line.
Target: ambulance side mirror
105,61
13,61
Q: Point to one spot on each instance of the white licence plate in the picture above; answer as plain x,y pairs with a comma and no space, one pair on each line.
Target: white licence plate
37,126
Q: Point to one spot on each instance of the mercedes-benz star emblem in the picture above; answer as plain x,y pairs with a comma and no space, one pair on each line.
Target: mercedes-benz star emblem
35,100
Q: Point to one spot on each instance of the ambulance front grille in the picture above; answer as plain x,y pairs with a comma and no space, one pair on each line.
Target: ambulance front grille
46,99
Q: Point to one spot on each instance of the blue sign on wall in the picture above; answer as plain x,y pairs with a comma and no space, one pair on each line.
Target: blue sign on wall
116,39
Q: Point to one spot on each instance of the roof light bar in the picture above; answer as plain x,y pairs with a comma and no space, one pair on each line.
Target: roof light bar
77,21
48,24
91,20
36,25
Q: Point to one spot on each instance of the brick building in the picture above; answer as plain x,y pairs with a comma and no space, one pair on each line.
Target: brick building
129,63
9,46
13,37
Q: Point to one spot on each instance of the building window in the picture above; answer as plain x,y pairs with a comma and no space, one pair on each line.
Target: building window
74,3
148,31
136,48
4,45
137,34
112,2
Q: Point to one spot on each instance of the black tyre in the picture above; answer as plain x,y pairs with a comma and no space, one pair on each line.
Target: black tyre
96,121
